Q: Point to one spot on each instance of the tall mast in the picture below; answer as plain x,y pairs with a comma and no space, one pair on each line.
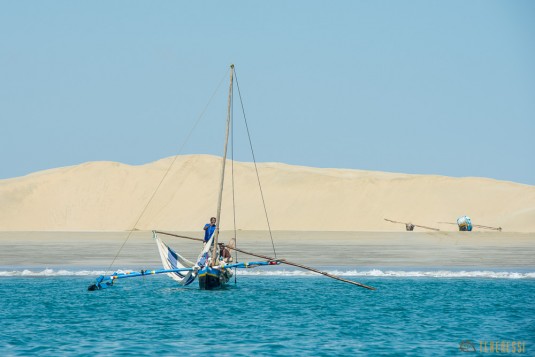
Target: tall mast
218,216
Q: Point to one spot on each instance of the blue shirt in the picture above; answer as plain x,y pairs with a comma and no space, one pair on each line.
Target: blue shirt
209,231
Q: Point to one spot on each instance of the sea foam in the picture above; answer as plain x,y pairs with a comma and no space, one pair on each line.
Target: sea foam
292,272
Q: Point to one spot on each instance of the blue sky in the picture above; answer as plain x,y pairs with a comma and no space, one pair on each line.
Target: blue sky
424,87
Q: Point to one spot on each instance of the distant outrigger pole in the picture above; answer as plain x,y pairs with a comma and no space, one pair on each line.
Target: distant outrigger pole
410,227
478,226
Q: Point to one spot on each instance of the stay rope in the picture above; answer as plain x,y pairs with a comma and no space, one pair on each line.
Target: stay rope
255,165
184,143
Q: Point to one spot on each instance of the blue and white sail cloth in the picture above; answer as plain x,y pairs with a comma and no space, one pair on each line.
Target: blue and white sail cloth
173,260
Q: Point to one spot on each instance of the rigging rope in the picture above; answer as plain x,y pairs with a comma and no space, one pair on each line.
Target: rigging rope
197,121
255,166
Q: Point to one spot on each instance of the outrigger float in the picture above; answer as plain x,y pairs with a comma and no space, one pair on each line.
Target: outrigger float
212,266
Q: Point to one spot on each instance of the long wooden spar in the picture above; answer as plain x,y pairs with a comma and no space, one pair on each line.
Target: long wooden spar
283,261
220,197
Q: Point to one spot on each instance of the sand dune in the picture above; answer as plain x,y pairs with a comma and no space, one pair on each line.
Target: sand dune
111,196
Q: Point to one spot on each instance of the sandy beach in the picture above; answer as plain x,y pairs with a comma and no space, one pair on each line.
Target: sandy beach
474,250
110,196
81,215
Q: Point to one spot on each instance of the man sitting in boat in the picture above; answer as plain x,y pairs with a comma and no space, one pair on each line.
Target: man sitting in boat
224,253
209,229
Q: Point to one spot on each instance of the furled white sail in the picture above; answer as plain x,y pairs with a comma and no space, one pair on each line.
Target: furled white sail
204,257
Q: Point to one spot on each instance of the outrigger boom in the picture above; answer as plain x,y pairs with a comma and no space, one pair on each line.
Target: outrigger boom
106,281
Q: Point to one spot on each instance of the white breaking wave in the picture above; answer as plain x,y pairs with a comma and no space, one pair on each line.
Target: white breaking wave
402,274
283,272
51,272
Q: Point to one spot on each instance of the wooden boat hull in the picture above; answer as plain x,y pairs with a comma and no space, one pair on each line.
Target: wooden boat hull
213,278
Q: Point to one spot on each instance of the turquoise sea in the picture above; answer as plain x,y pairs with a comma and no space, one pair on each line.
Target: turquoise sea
51,313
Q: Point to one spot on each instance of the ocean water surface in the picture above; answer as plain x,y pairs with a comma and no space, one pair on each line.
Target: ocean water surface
51,313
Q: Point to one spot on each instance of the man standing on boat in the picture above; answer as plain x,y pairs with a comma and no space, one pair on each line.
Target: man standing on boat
209,229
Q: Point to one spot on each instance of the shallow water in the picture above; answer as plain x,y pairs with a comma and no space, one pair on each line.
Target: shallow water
282,314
